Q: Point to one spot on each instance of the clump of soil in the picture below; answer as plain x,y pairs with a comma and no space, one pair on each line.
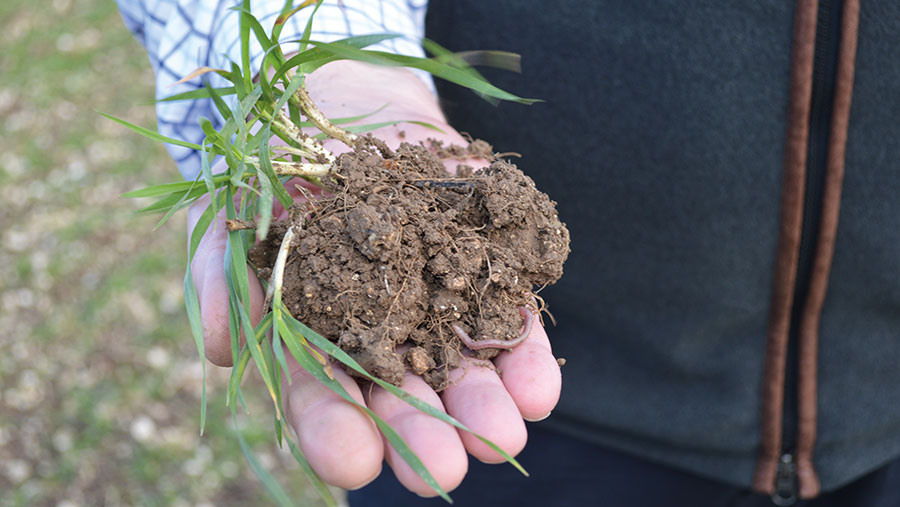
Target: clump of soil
401,251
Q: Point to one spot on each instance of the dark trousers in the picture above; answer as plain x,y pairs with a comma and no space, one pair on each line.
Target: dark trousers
568,472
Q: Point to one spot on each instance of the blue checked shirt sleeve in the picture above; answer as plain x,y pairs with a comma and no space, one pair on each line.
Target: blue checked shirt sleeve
183,35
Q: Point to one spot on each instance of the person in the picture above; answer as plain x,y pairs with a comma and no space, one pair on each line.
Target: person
730,311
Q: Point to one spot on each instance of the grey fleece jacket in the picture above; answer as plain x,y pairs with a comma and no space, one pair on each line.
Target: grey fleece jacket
733,293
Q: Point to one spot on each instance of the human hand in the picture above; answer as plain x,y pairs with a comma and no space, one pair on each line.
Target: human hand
341,443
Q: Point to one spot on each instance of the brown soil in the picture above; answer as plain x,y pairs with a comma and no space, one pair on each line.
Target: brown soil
401,252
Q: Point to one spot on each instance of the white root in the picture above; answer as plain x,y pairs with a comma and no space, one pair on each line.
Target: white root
310,144
304,170
315,115
275,284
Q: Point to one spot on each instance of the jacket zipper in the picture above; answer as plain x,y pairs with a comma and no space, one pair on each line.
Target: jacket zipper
785,481
796,150
824,65
823,60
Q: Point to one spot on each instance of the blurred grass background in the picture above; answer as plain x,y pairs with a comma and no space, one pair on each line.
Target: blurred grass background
99,378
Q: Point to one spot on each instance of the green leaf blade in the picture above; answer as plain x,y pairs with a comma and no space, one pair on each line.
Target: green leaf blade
169,188
269,483
192,306
311,474
151,134
432,66
199,93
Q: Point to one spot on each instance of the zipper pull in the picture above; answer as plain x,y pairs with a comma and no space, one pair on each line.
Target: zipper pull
785,481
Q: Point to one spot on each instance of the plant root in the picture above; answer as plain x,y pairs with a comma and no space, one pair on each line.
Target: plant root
275,285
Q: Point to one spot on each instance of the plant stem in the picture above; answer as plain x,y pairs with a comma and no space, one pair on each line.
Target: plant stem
293,151
304,170
319,152
315,115
275,285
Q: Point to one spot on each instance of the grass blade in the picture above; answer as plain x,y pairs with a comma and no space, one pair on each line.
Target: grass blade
287,12
199,72
192,305
250,101
256,352
218,101
186,199
425,124
213,136
206,171
289,91
266,198
240,364
307,30
245,45
199,93
169,188
239,300
175,200
268,355
321,57
237,256
237,78
277,277
362,129
432,66
269,483
253,25
202,225
503,60
311,474
234,326
466,59
151,134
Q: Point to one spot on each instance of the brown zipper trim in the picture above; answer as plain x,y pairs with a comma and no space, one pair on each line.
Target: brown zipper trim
793,188
792,193
808,344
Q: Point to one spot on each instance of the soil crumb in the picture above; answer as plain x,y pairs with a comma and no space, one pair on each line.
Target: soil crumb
401,251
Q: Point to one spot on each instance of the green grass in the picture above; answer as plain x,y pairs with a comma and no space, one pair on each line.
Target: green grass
99,377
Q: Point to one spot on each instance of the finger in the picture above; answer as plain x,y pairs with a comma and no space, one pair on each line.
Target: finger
435,442
208,272
478,399
340,441
531,375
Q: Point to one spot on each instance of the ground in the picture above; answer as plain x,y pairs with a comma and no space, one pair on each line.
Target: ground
99,377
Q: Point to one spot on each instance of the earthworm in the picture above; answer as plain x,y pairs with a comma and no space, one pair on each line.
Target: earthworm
445,183
496,343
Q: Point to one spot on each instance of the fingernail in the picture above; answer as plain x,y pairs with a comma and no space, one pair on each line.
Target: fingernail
539,418
367,481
